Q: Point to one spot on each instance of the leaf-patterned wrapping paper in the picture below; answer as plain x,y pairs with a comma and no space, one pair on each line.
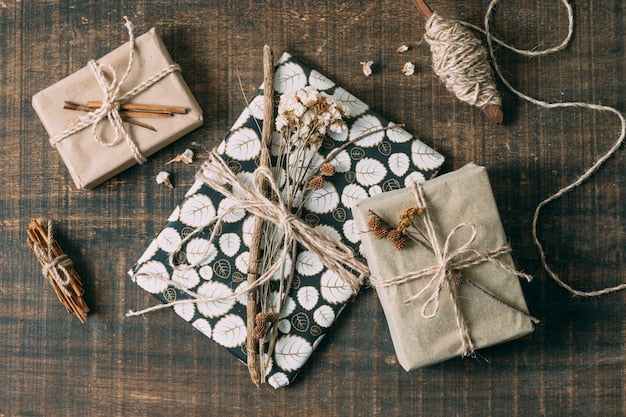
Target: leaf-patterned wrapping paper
382,161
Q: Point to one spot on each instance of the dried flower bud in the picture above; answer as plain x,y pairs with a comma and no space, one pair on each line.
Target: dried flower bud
263,322
456,279
367,67
381,232
396,238
316,182
327,169
163,177
408,68
399,244
374,223
402,49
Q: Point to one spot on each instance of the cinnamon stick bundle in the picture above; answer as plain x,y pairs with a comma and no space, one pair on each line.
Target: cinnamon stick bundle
57,267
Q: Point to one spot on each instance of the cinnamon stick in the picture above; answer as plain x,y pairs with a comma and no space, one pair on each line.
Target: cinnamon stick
50,255
154,108
252,344
69,105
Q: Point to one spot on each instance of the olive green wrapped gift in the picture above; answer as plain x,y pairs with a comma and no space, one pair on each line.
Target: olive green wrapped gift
448,285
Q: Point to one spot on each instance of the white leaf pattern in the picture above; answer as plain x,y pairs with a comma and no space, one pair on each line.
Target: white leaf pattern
284,326
195,187
152,277
370,171
324,316
399,163
289,77
174,216
200,251
230,331
241,120
168,239
230,244
186,311
320,81
352,194
340,136
246,230
329,231
323,200
234,213
243,298
288,306
414,177
218,292
424,157
291,352
307,297
354,105
374,190
241,262
334,289
397,134
308,264
187,278
342,162
256,107
364,126
204,326
243,144
197,211
206,272
351,232
278,380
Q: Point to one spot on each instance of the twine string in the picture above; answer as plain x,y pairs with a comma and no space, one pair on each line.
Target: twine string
54,267
334,255
449,262
112,99
547,105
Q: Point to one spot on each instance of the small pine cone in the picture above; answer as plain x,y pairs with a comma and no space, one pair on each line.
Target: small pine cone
399,244
393,235
381,232
374,223
316,182
327,169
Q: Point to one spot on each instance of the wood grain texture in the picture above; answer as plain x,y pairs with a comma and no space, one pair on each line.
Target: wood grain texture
573,364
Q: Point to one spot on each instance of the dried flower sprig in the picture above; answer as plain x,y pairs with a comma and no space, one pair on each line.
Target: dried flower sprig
382,230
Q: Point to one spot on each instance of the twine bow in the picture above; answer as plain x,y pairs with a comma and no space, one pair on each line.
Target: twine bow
334,255
112,99
54,267
446,271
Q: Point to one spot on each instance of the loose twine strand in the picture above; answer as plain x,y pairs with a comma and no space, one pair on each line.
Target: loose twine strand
449,262
110,106
54,267
544,104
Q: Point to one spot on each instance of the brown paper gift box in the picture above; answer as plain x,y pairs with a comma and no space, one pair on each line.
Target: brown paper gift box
461,196
90,163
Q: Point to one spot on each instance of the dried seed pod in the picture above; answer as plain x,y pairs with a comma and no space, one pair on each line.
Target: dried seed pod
374,223
316,182
381,232
327,169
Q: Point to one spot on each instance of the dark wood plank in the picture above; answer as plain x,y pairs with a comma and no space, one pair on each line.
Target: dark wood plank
572,365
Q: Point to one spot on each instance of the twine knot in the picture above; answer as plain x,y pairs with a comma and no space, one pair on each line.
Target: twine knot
451,260
112,99
57,268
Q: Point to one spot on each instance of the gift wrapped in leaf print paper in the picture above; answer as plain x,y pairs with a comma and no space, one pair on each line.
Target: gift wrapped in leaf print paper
382,161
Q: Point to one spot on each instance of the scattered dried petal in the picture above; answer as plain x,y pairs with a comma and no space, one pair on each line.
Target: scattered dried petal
367,67
163,177
327,169
186,157
408,68
402,49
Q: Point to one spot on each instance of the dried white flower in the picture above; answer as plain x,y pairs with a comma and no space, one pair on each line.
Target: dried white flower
402,49
186,157
408,68
367,67
305,116
163,177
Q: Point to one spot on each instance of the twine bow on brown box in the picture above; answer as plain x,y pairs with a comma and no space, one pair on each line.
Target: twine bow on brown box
447,272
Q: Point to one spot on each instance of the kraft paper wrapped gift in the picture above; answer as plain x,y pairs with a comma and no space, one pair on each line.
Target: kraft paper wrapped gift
462,196
91,163
380,162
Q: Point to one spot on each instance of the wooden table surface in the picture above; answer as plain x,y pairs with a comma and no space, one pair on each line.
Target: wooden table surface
573,364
